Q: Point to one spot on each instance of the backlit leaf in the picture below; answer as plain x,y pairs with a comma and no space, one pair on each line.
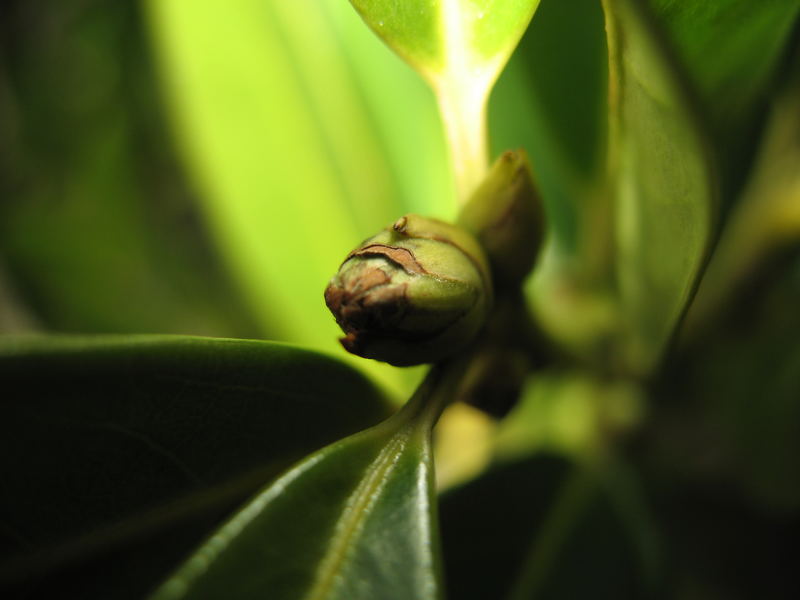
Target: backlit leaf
460,47
662,180
287,152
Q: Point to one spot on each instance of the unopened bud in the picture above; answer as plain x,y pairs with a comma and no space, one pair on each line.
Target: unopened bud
505,215
417,292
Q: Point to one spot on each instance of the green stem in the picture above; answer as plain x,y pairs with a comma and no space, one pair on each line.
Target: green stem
434,394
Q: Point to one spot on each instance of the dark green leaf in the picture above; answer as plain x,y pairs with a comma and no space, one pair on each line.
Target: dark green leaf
662,181
717,44
538,528
114,442
354,520
730,406
766,217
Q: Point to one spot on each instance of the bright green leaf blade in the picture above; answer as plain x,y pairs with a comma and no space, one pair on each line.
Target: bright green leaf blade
354,520
403,115
437,36
280,142
459,47
662,179
115,442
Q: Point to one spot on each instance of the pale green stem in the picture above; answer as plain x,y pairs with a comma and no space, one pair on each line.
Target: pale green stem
435,393
462,104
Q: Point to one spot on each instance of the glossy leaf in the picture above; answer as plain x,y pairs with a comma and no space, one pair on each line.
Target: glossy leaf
439,36
354,520
118,442
662,181
460,47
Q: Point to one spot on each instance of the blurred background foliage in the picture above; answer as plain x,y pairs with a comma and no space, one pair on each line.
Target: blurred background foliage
202,167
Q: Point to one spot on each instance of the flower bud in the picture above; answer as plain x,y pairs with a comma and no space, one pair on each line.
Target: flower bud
505,215
415,293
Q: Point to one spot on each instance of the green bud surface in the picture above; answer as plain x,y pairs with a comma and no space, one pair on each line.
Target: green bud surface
505,215
417,292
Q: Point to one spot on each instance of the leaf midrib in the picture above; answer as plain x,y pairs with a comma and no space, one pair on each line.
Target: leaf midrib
356,513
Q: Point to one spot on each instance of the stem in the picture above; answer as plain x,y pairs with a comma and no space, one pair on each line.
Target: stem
462,105
435,392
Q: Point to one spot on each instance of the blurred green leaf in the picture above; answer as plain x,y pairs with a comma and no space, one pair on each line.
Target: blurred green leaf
550,100
765,219
279,138
525,529
354,520
402,115
98,232
732,50
146,442
729,407
663,183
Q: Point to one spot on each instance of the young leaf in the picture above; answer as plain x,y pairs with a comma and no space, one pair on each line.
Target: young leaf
460,47
145,442
662,179
766,218
354,520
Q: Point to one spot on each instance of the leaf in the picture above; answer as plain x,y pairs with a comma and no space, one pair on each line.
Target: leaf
277,132
524,529
715,41
766,217
98,231
662,180
118,442
460,47
354,520
550,100
729,404
440,36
